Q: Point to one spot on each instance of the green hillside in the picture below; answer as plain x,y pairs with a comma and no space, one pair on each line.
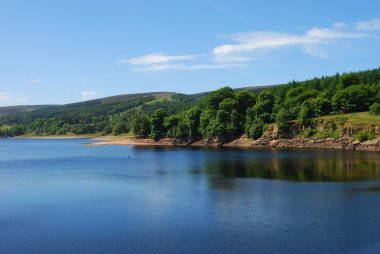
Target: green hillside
6,111
93,116
219,115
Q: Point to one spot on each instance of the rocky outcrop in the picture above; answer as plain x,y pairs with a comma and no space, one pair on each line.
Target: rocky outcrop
345,143
305,143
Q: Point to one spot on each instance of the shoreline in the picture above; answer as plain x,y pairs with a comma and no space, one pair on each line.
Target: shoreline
344,143
56,137
246,143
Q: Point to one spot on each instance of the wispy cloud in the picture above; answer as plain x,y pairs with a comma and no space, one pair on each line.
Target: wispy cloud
88,95
182,67
163,62
10,98
244,47
370,25
156,58
248,43
34,80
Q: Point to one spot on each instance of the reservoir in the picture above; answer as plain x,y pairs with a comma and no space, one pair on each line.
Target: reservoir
58,196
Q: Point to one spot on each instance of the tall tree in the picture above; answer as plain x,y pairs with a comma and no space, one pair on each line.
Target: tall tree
157,124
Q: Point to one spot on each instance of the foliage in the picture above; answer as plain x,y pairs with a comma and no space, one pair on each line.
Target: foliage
158,129
364,135
309,132
192,122
354,98
119,129
245,100
374,109
213,99
222,114
255,129
306,112
141,126
349,79
282,121
328,134
263,109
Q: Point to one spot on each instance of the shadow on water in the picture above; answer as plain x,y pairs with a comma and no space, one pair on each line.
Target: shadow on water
292,165
337,166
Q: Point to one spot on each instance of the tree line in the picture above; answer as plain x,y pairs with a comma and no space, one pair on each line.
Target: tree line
220,115
226,114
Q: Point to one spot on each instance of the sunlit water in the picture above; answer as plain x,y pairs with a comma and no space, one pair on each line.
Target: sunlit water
57,196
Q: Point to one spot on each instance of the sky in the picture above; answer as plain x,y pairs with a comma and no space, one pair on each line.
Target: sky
57,52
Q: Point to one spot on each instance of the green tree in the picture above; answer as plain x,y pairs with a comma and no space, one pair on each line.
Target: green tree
118,129
349,79
157,124
354,98
192,122
141,125
263,109
322,106
306,112
375,109
245,100
213,99
295,97
204,121
176,126
217,127
255,129
282,121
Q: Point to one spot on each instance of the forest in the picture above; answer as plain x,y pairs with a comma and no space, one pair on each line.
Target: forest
224,114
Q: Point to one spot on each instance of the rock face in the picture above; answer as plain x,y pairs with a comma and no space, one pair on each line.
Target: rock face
344,143
304,143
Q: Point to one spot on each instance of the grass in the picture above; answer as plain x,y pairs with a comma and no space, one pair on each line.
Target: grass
160,97
359,118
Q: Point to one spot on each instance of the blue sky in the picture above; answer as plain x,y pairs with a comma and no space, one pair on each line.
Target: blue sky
55,52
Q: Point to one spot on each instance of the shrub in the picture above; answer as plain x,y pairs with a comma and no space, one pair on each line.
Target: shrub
329,134
375,109
342,120
364,135
256,129
307,133
118,129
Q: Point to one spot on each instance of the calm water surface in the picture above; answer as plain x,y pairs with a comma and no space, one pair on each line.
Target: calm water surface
57,196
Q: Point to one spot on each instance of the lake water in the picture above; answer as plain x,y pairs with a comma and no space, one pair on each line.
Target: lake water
57,196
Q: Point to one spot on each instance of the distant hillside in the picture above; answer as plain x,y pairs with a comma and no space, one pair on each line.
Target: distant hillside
93,115
217,115
5,111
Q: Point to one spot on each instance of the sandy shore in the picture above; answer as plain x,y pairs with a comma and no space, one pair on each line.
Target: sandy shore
115,140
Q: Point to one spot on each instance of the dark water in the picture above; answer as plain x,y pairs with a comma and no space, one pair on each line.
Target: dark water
57,196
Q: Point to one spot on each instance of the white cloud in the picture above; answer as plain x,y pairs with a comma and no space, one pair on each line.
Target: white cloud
247,43
34,81
117,74
245,46
11,99
157,58
369,25
88,95
182,67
